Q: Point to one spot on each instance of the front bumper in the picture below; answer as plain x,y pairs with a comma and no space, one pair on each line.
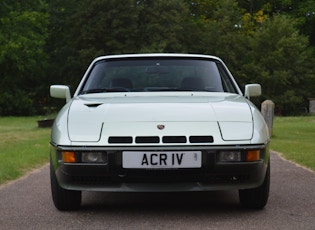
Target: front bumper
111,176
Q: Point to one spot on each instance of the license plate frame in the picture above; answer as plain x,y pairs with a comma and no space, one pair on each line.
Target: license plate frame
161,159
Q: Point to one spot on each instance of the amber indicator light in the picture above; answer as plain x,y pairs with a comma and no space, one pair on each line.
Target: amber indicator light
68,157
253,155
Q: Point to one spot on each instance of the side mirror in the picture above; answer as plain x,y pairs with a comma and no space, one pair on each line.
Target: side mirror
60,91
252,90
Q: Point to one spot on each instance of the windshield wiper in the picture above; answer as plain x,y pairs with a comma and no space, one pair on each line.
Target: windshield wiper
168,89
184,89
103,90
93,91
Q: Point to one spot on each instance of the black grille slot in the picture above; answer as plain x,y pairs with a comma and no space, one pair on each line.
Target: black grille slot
145,140
120,140
201,139
174,139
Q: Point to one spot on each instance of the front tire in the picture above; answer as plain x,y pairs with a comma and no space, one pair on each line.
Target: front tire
64,200
256,198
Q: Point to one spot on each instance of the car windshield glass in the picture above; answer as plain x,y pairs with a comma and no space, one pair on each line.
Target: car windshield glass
163,74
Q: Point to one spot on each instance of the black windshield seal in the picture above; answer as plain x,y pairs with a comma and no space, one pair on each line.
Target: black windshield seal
104,90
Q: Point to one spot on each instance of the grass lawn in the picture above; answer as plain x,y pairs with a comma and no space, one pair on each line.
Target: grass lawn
23,146
294,137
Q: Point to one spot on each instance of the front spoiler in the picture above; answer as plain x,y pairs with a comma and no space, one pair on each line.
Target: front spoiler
161,187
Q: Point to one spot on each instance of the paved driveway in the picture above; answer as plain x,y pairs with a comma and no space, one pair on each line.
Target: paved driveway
26,204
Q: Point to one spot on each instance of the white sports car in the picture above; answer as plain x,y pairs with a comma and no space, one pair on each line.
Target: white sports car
158,123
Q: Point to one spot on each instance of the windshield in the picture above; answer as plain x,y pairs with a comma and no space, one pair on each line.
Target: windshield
139,75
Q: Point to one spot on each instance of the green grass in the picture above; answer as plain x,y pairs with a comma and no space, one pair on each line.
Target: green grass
294,137
23,146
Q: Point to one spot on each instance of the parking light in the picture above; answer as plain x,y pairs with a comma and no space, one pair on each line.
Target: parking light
68,157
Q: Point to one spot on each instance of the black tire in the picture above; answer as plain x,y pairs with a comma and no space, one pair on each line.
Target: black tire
256,198
64,200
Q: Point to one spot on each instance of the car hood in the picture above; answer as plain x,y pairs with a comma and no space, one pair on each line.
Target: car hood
91,118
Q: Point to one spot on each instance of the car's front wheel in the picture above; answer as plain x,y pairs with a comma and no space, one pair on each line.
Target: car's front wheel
63,199
257,197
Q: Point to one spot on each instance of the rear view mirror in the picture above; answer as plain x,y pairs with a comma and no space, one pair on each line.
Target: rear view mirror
252,90
60,91
157,70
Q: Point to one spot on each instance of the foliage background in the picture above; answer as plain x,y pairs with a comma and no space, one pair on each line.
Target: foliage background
44,42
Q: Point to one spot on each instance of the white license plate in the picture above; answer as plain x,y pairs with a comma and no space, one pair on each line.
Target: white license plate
169,159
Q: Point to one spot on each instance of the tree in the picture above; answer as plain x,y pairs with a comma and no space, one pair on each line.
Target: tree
103,27
86,29
278,59
23,31
162,26
46,42
216,29
63,64
302,11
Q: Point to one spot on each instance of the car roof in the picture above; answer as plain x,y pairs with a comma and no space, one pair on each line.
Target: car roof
150,55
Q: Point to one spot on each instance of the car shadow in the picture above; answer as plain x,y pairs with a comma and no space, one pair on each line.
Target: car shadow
176,202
